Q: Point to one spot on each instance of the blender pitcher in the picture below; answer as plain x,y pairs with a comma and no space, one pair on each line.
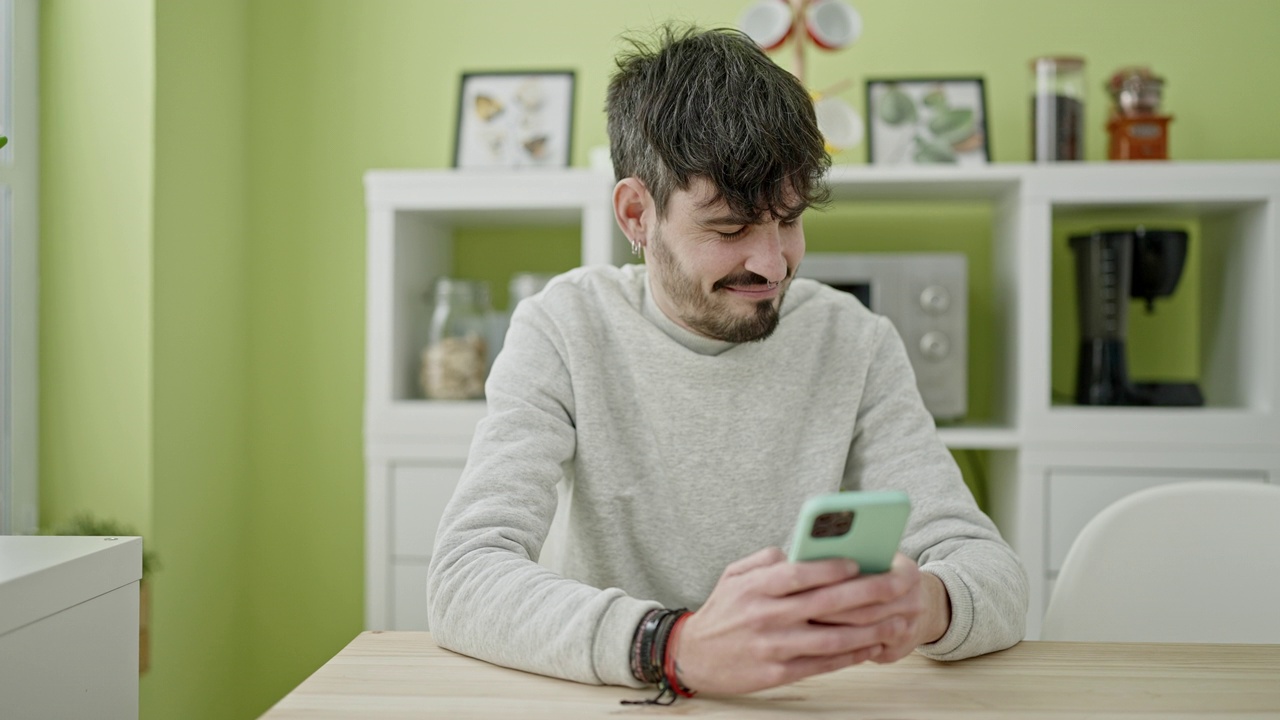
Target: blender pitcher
1104,262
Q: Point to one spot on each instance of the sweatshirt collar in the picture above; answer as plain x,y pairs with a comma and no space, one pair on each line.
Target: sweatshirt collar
689,339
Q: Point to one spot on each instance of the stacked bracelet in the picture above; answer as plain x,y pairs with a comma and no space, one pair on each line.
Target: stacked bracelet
652,659
643,643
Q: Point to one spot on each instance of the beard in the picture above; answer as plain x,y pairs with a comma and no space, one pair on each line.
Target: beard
713,315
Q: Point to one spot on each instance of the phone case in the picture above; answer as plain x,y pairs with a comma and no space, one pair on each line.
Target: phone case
863,526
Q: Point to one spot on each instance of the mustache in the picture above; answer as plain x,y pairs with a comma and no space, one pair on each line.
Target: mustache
745,278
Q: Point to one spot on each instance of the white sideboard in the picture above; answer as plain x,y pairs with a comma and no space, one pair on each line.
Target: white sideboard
69,627
1051,465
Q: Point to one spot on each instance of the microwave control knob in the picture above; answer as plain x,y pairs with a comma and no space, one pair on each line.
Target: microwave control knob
935,300
935,346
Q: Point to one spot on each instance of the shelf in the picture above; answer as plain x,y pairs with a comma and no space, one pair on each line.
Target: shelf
505,217
439,423
1204,185
979,437
923,183
1218,326
507,194
1189,426
415,214
415,217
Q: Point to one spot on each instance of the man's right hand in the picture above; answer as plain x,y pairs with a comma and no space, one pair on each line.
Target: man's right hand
754,631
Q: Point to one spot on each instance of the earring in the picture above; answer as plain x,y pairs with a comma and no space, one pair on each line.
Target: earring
636,247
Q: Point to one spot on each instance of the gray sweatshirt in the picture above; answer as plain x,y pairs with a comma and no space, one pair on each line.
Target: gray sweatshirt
674,455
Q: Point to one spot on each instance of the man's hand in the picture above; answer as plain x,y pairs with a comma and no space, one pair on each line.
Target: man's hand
769,622
918,598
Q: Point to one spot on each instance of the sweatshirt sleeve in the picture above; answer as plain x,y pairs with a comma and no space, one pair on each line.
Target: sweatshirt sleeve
896,446
486,595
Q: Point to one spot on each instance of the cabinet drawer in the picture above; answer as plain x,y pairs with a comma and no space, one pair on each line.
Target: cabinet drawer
409,596
417,497
1077,494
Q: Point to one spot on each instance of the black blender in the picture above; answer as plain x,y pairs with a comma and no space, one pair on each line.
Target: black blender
1111,267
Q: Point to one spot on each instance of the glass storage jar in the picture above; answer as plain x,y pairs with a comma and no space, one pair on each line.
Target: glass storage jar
454,361
521,286
1057,109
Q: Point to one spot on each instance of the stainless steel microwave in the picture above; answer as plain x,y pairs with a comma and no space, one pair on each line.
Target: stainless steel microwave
926,297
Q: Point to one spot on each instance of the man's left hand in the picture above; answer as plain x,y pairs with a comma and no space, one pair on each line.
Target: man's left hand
919,598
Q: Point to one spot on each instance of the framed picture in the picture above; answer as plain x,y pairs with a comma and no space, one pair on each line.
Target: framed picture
514,119
927,121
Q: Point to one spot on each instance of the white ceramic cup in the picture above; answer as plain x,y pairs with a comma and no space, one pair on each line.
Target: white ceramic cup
768,22
840,124
832,24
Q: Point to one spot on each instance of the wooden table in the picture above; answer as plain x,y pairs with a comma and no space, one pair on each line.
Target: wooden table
405,675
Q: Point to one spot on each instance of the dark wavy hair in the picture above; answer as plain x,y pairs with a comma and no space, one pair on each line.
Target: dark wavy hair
696,103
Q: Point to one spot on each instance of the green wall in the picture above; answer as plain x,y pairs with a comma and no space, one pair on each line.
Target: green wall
95,260
144,332
203,252
200,458
306,379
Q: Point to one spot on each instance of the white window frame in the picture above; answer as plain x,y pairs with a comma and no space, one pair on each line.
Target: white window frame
19,288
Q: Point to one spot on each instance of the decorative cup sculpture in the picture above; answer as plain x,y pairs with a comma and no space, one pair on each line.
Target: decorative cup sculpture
828,24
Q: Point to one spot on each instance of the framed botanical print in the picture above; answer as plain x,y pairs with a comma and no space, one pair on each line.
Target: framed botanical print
927,121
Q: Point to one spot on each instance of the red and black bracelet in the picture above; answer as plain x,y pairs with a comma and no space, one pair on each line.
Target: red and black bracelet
670,671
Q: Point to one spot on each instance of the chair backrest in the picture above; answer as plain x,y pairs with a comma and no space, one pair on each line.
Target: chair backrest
1185,562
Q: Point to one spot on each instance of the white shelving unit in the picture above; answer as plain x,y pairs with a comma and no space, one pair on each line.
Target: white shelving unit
1051,466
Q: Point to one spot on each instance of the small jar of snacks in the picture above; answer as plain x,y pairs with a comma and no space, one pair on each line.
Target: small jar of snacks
454,361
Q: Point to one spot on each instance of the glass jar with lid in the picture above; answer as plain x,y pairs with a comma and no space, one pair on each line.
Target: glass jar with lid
1057,108
521,286
454,360
526,284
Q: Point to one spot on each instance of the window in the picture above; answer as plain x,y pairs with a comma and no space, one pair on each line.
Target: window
18,288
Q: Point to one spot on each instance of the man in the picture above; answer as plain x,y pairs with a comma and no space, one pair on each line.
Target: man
687,407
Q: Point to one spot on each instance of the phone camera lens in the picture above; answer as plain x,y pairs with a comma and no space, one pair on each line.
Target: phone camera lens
832,524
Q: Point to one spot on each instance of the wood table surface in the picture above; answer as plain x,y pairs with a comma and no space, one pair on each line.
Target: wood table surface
406,675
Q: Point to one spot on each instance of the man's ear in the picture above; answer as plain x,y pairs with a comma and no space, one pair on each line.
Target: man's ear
635,211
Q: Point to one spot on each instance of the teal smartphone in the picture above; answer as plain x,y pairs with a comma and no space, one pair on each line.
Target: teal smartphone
861,526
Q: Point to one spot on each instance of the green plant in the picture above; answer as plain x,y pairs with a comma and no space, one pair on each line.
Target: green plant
87,524
3,141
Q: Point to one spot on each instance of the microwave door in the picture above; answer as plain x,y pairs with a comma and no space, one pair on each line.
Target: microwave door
864,290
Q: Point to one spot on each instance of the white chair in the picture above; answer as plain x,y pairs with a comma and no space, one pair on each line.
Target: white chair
1195,562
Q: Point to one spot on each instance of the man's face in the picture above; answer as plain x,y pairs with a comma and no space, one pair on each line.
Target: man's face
717,274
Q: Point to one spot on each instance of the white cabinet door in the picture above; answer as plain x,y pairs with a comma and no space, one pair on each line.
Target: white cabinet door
418,496
409,595
1077,494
